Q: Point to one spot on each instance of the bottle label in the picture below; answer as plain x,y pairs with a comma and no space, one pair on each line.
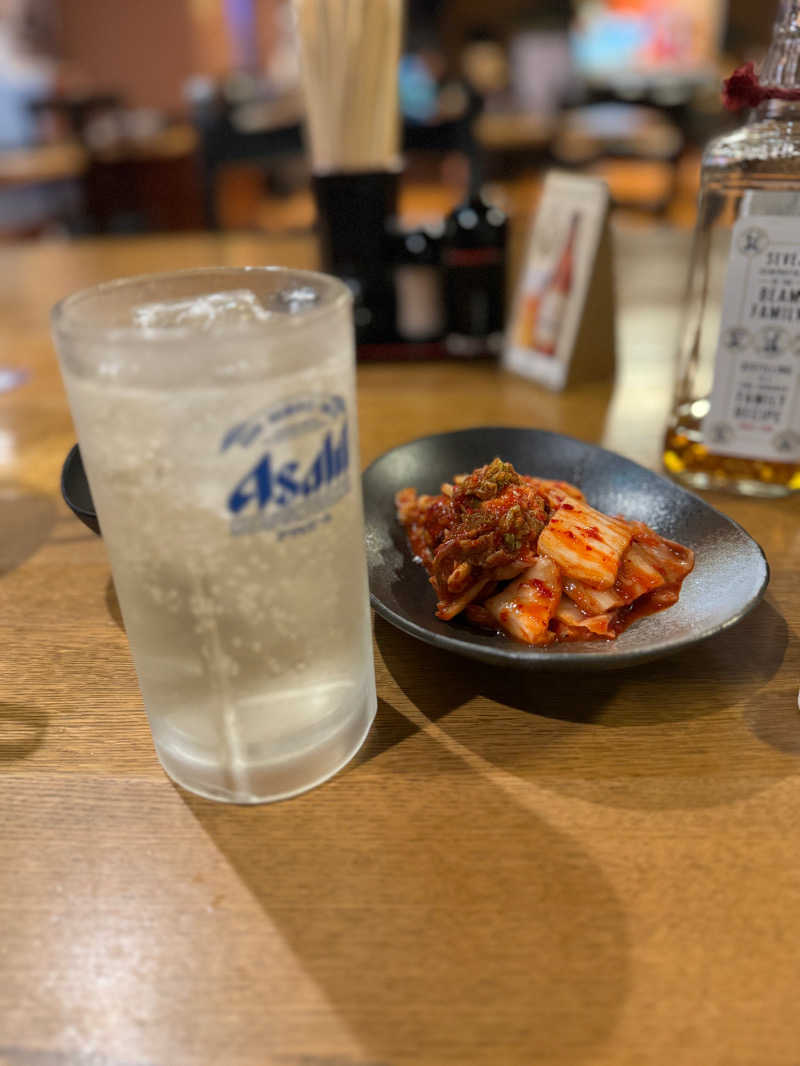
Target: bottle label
420,309
755,398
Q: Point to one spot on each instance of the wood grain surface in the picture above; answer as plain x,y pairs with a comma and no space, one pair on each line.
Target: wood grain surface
515,870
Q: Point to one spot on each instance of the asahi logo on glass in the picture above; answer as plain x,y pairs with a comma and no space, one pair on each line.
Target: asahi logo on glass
298,465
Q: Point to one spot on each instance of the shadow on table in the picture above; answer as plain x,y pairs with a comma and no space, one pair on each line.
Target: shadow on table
438,919
663,734
26,519
776,721
22,730
112,604
391,728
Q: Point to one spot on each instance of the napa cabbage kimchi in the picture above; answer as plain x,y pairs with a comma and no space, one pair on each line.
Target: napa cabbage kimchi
528,557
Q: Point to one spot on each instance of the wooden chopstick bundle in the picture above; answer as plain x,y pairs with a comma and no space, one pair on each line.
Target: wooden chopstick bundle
350,51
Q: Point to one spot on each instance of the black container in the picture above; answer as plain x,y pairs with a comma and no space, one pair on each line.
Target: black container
355,212
474,264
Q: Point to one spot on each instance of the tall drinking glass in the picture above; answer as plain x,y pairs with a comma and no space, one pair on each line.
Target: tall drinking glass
216,416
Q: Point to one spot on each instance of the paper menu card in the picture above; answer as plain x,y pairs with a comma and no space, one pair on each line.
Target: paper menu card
562,325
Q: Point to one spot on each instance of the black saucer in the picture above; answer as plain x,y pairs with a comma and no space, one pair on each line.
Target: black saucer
75,490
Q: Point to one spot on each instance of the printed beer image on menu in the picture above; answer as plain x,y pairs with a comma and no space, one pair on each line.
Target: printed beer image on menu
555,278
545,297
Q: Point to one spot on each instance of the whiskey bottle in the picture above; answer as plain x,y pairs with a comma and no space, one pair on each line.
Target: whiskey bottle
735,420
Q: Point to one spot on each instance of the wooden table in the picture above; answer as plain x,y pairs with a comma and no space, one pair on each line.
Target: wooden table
515,870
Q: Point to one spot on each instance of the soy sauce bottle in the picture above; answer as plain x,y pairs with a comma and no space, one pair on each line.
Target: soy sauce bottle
474,273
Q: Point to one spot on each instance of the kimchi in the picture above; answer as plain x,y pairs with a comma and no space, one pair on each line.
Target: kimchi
529,557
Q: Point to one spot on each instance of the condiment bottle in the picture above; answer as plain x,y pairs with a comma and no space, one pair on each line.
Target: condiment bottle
418,284
474,264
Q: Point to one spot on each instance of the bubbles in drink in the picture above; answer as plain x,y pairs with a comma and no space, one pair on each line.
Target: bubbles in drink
239,307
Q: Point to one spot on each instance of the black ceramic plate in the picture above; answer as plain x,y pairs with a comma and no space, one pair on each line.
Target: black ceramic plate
75,489
728,580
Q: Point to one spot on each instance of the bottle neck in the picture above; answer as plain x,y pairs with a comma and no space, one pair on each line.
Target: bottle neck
783,110
781,64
